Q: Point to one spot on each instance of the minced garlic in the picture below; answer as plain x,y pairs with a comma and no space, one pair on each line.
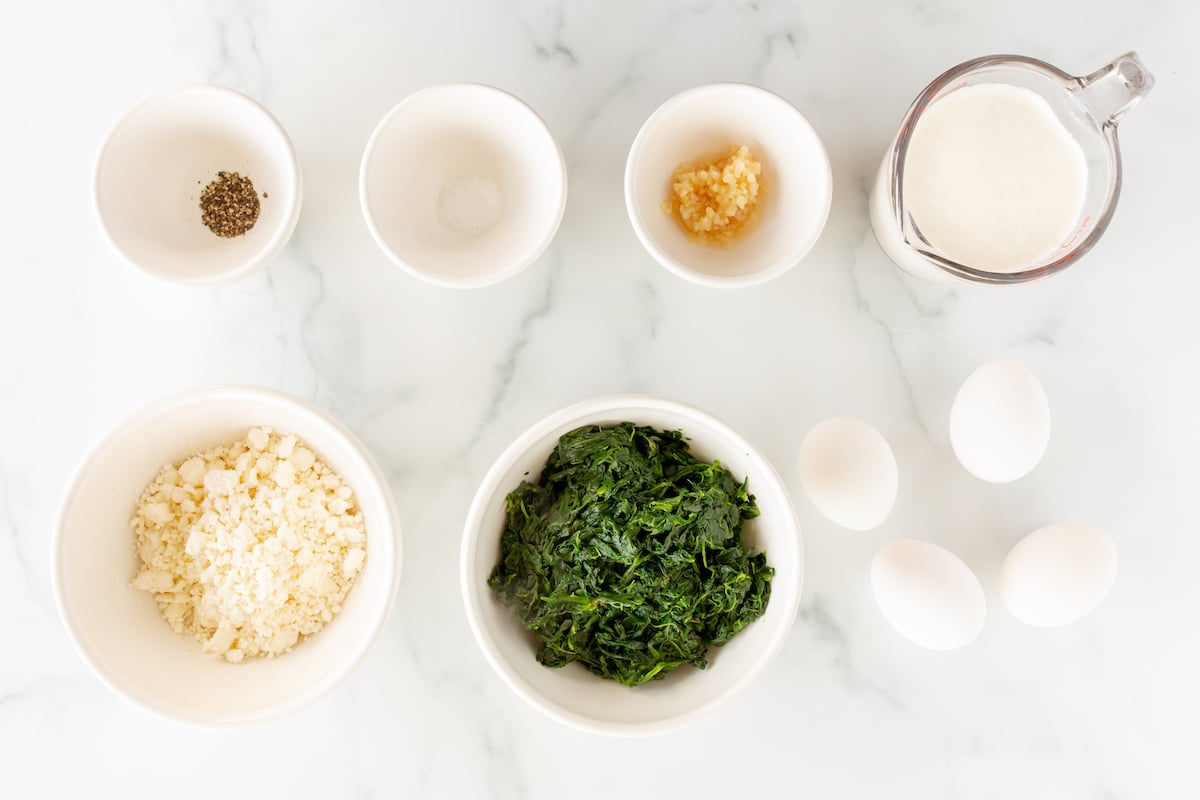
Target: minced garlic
249,546
716,202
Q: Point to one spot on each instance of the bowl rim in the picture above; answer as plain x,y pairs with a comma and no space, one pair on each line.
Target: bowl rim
634,211
491,278
376,621
490,485
270,248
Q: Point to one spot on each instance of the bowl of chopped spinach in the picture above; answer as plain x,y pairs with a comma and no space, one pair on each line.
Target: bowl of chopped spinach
630,563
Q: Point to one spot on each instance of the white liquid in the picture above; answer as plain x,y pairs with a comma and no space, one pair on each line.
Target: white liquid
993,179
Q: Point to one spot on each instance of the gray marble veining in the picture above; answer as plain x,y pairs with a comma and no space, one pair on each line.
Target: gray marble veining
438,382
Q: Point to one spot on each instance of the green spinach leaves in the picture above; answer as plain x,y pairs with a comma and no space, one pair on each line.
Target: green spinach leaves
626,555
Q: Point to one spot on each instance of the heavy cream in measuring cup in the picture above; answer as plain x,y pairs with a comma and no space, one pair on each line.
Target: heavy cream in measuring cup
993,179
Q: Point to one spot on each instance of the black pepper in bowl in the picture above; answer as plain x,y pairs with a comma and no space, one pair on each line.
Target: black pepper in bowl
229,205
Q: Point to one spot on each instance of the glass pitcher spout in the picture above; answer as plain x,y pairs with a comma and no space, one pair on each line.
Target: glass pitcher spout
1111,91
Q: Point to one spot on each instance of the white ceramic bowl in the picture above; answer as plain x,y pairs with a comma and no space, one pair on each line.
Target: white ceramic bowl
572,694
119,631
162,154
462,132
704,122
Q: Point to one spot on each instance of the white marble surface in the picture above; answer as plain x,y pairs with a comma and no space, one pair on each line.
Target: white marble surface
439,381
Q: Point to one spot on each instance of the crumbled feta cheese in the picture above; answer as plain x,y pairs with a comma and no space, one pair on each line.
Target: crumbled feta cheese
195,543
151,581
303,458
192,471
249,547
352,563
285,474
258,438
157,513
286,445
220,481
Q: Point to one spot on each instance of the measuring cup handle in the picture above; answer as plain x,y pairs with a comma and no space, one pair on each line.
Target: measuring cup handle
1109,92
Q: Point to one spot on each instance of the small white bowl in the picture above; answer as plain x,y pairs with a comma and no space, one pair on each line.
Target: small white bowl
704,122
573,695
160,156
119,631
462,132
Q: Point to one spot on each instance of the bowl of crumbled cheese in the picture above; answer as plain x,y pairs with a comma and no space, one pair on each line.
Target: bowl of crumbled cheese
728,185
227,554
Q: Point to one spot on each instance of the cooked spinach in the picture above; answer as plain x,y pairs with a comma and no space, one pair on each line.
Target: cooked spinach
626,555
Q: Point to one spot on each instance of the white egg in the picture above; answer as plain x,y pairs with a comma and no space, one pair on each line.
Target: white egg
928,594
1000,421
849,472
1058,574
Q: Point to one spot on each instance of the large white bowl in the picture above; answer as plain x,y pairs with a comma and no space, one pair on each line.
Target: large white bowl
452,132
707,121
572,694
119,631
160,156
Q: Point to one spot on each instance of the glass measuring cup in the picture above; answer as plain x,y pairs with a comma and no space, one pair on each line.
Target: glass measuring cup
1088,107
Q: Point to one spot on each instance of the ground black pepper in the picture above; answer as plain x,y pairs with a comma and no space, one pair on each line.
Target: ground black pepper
229,205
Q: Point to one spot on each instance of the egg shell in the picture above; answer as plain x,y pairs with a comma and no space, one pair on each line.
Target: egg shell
928,594
1058,574
1000,421
849,473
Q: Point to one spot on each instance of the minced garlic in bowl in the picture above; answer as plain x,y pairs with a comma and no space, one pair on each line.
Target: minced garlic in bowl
717,202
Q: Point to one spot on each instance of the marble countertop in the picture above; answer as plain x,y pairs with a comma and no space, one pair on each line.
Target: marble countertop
437,382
